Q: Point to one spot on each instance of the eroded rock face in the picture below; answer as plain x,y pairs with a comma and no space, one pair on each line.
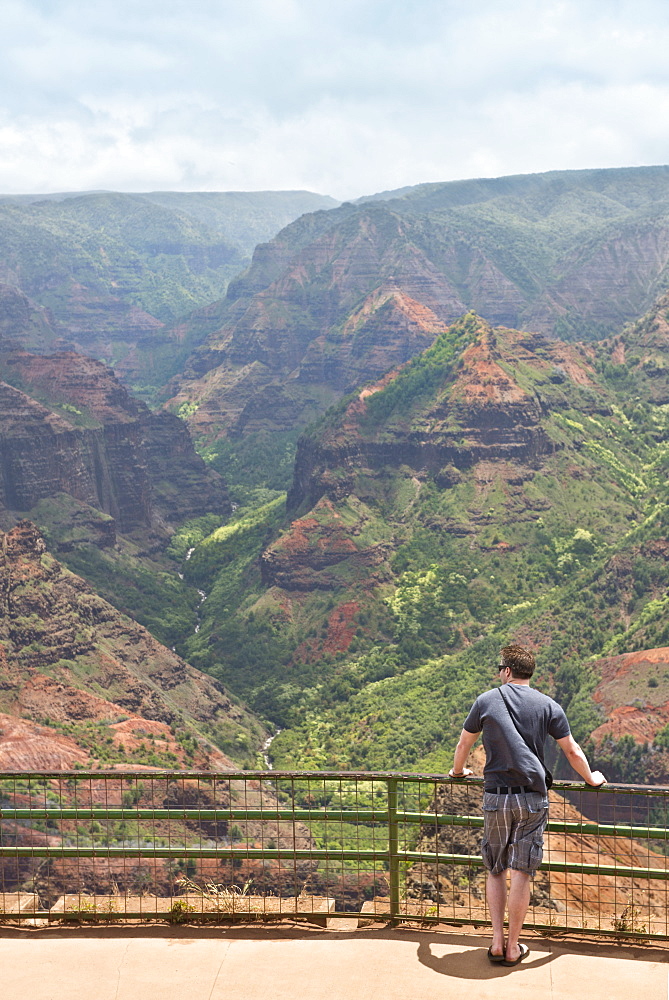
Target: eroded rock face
72,428
632,693
44,454
388,329
481,412
26,746
305,557
273,370
182,486
484,412
356,301
22,321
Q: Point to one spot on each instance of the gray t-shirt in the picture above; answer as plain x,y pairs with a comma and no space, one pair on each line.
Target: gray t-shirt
508,760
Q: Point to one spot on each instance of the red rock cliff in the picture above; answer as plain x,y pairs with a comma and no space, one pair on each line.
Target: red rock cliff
68,426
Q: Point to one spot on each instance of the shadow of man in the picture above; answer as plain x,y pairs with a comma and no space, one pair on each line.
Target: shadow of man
472,963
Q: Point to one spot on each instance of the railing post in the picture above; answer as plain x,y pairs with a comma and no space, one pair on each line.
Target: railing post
393,848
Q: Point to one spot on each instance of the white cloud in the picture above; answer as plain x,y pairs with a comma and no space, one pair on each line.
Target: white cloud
346,99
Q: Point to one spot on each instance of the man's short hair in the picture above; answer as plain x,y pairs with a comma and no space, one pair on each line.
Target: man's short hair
520,661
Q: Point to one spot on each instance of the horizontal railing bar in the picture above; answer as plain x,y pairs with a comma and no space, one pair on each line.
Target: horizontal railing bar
314,776
609,830
209,776
554,826
366,815
622,871
256,853
316,854
320,815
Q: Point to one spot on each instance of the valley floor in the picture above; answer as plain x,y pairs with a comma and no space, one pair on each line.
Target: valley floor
270,963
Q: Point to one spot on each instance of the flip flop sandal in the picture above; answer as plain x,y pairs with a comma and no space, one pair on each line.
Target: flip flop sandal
524,952
496,959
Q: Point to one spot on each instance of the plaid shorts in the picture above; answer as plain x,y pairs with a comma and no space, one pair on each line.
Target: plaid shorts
513,831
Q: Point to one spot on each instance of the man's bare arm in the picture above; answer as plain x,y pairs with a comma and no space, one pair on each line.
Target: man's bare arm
579,761
465,743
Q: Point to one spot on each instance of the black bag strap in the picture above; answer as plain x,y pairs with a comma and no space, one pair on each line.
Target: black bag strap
548,775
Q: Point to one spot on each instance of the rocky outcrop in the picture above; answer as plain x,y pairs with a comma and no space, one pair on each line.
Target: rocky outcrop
67,426
482,413
478,409
44,454
310,555
182,486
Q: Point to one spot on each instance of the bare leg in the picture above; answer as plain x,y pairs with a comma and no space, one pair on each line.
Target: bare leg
496,896
519,900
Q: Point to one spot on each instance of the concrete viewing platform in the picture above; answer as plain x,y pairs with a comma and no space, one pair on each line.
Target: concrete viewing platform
300,962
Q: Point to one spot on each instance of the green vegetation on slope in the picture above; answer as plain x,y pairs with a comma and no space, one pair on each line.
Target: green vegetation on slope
396,591
226,566
148,590
411,719
253,463
565,553
162,261
424,375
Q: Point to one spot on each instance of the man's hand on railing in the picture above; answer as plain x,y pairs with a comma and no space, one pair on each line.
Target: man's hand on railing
462,774
597,779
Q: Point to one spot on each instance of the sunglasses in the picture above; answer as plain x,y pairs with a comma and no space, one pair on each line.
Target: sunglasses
500,666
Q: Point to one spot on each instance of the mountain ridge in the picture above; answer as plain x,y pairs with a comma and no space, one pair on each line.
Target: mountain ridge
116,271
573,255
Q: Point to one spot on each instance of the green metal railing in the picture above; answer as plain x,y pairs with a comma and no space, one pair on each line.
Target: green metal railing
112,845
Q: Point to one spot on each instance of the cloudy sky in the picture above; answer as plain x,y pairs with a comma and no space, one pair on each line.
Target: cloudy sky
343,97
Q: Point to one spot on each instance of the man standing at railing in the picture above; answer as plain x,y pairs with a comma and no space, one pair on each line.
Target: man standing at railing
515,721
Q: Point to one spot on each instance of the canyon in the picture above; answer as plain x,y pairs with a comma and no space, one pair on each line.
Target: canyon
473,379
475,400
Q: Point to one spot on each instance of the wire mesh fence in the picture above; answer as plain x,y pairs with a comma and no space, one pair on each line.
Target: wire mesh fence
184,846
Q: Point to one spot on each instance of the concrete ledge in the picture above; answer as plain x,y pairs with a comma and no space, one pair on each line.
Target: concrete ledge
179,908
19,902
